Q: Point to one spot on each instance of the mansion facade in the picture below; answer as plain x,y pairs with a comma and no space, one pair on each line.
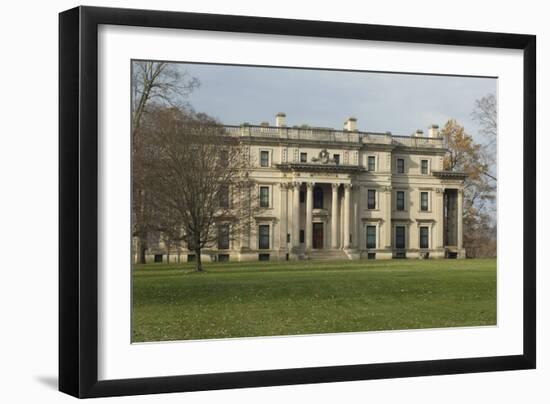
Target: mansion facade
343,194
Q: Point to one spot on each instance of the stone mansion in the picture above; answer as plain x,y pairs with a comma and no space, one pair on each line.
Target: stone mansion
337,194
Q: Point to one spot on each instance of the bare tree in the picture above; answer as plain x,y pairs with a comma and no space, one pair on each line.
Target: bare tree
200,176
153,84
161,83
485,113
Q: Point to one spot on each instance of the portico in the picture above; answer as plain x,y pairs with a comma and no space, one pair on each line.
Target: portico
320,215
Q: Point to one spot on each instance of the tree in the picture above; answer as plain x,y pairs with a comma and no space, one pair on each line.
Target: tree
161,83
153,84
465,155
198,175
485,113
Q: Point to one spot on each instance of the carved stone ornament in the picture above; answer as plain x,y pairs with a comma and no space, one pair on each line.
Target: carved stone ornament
324,157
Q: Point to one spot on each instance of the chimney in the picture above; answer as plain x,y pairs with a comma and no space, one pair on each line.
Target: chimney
433,131
351,124
280,120
419,133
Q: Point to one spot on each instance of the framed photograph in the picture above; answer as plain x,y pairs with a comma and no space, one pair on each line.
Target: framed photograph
249,201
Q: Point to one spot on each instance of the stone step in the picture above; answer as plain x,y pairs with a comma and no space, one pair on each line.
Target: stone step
327,255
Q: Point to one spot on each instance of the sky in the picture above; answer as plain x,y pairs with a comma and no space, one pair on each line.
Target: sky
399,103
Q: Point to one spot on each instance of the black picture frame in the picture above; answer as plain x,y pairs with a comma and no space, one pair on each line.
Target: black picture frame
78,201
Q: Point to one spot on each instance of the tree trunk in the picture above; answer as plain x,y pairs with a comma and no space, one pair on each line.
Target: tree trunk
198,262
142,249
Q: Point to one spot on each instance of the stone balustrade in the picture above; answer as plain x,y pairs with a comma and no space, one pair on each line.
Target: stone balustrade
332,136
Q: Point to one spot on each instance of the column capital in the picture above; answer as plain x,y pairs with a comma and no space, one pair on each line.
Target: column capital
347,187
388,189
439,190
295,184
283,185
310,185
460,191
335,186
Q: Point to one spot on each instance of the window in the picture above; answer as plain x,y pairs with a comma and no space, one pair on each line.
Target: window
371,163
371,256
263,237
223,237
424,237
224,196
158,258
264,197
191,257
303,157
190,241
423,201
336,159
317,198
371,199
399,236
400,166
264,158
302,196
288,237
263,257
424,167
223,257
224,158
371,236
400,200
302,236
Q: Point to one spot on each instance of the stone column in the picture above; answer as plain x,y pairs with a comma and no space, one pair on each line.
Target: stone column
347,208
334,217
459,214
439,219
414,236
357,216
296,215
246,237
283,204
387,217
309,216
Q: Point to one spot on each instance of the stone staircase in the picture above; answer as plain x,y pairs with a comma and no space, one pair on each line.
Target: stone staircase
326,255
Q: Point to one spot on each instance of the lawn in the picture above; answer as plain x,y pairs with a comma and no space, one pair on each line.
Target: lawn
171,302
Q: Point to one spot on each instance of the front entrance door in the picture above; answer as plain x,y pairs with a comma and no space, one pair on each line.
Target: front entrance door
317,235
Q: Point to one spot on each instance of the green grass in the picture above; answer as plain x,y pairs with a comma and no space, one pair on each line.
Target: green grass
171,302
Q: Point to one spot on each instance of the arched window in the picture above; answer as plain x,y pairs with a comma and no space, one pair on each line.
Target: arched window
317,198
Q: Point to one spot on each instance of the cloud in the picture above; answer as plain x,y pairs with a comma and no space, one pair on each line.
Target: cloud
400,103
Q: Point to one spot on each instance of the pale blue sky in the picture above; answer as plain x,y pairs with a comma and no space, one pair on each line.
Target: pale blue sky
400,103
